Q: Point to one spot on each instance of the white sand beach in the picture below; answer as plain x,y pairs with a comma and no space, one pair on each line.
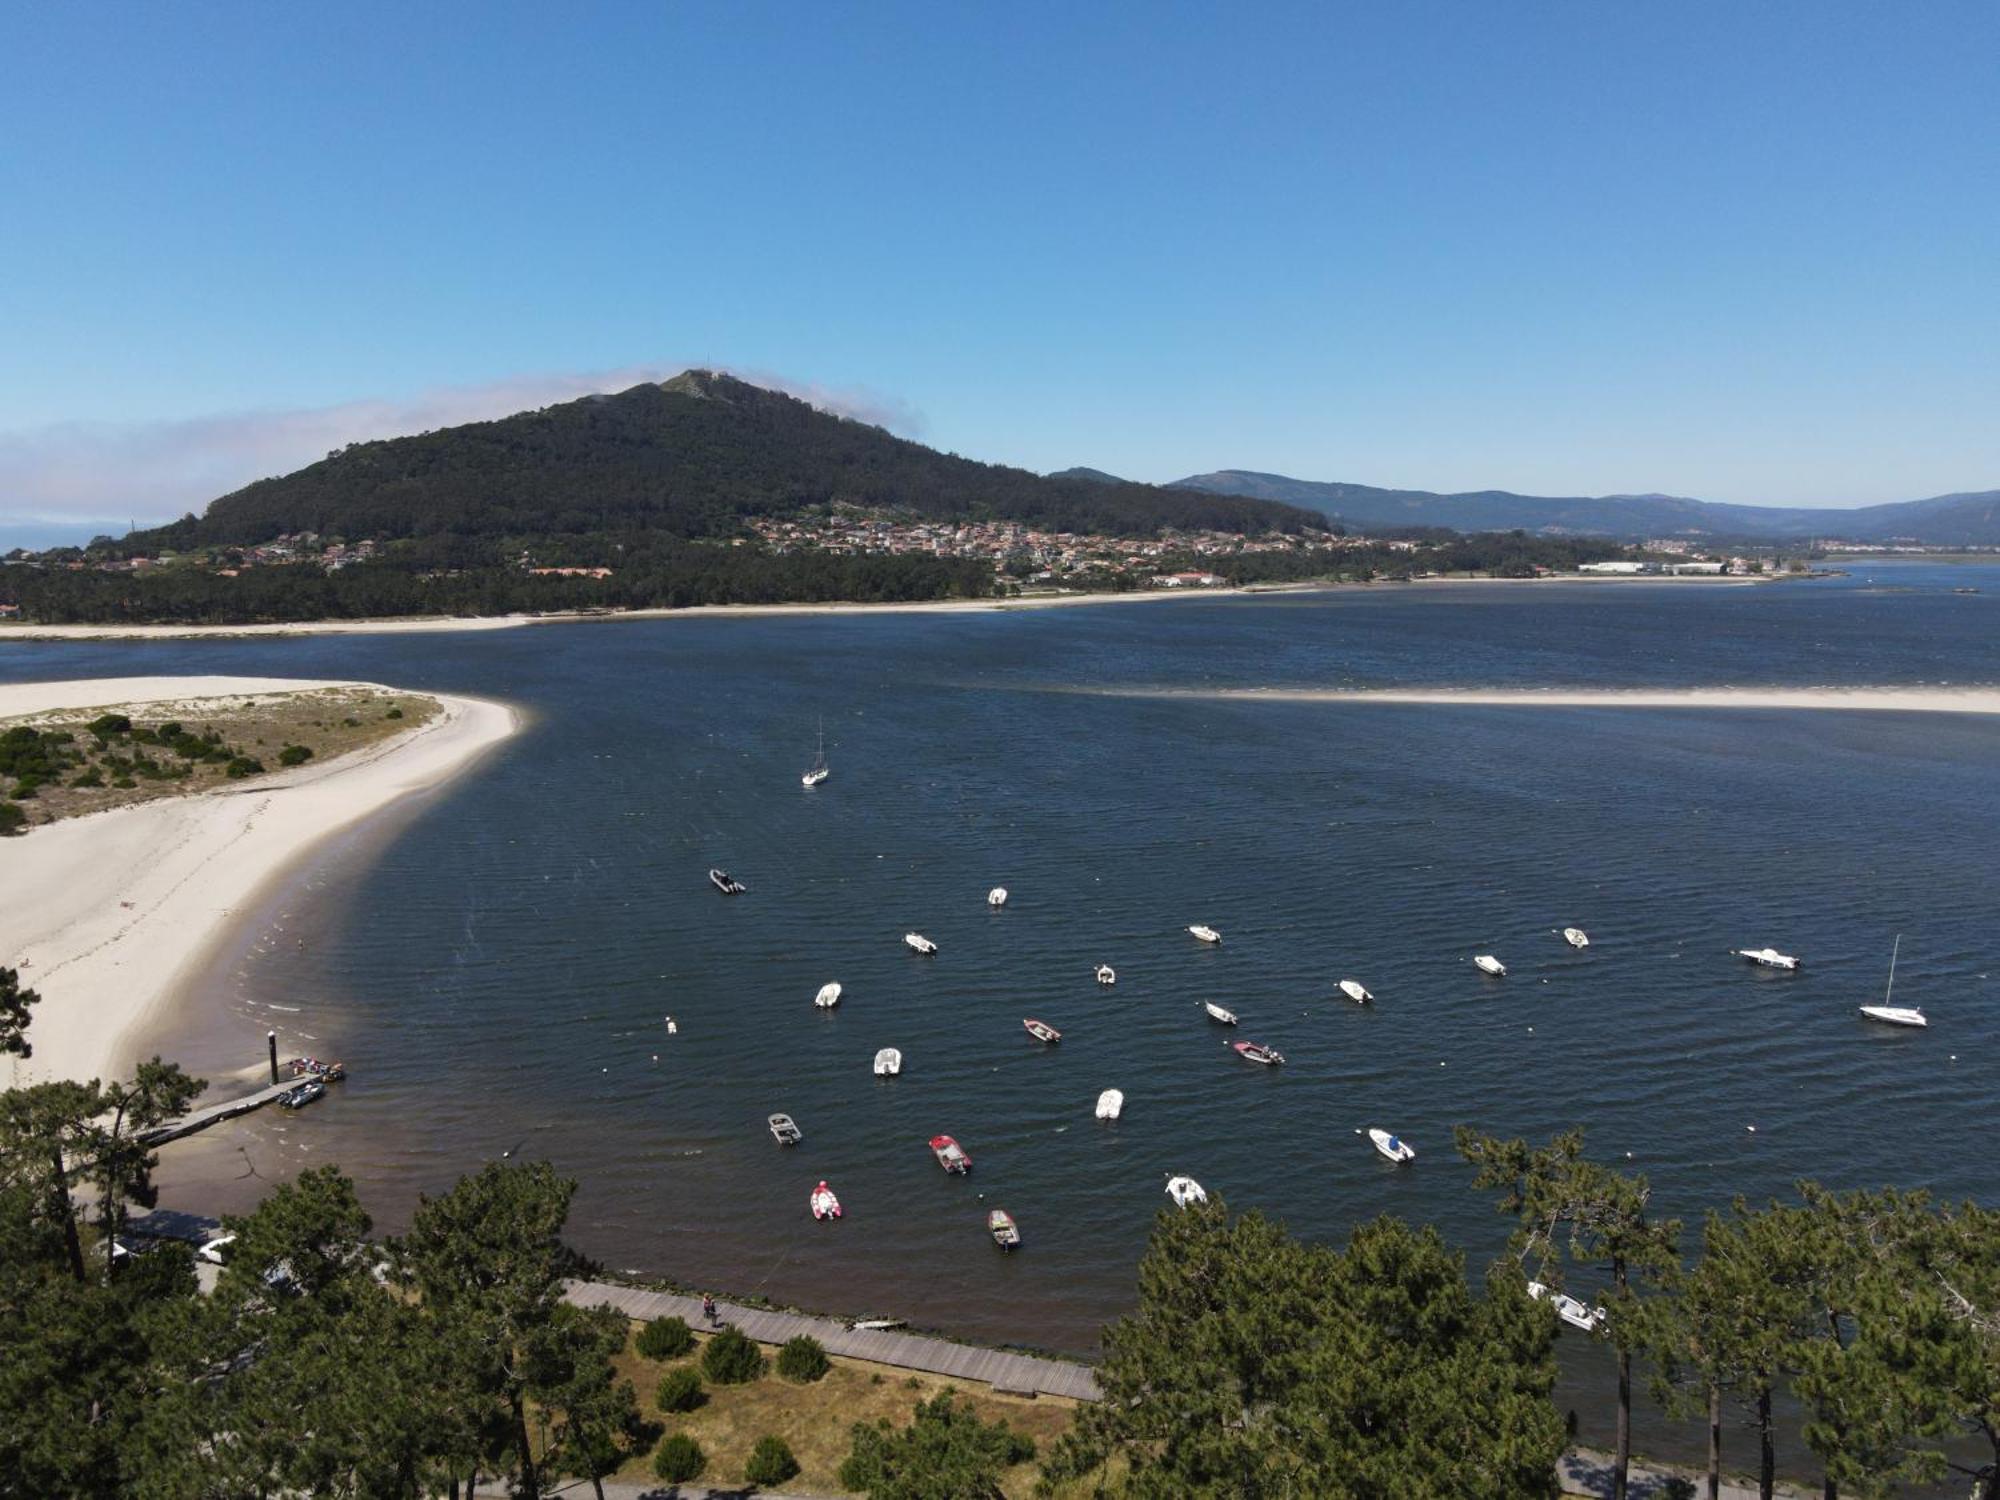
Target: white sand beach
1939,699
108,915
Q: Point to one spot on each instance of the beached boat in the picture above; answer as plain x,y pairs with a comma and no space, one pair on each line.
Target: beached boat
1576,937
820,770
1894,1015
919,943
1769,958
950,1155
1395,1148
888,1063
1110,1104
1185,1190
1571,1311
1356,991
876,1325
1257,1052
1217,1013
1041,1031
1106,974
1006,1233
1486,963
825,1206
726,883
785,1130
1206,934
997,897
828,996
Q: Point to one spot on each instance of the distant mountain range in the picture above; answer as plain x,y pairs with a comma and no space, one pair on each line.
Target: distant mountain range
1971,519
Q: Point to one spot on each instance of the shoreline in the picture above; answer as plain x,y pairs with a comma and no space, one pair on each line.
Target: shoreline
109,916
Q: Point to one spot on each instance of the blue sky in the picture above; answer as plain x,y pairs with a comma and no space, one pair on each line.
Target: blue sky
1742,252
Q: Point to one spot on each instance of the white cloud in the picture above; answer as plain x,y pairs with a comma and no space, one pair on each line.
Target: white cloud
155,471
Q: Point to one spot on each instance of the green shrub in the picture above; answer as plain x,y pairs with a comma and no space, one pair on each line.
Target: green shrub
106,725
731,1358
680,1459
771,1461
295,755
124,783
803,1359
12,819
352,723
665,1338
241,766
679,1390
92,777
394,713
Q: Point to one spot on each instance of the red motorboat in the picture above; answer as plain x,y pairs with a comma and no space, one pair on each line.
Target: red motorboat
1257,1052
951,1156
824,1204
1041,1031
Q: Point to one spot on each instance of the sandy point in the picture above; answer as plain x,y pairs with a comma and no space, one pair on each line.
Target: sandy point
107,916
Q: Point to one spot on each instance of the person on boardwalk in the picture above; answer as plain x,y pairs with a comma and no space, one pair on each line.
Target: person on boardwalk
708,1306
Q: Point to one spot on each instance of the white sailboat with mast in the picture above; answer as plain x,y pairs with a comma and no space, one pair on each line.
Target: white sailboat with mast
1894,1015
820,770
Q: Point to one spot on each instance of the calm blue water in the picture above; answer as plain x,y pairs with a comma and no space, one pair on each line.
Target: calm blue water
495,968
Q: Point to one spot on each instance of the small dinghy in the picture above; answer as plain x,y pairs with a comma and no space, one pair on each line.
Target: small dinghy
1110,1104
725,882
1768,958
1571,1311
785,1130
1041,1031
828,996
997,897
1217,1013
1206,934
1257,1052
888,1063
918,943
1106,974
1576,937
824,1205
1356,991
1006,1233
1185,1190
1894,1015
950,1155
1395,1148
1486,963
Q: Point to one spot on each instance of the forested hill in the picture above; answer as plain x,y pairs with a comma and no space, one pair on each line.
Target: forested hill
692,457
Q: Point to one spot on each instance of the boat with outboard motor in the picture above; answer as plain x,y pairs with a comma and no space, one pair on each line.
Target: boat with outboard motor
828,996
1486,963
950,1155
1185,1191
1106,974
1204,932
726,883
1257,1052
1110,1104
1217,1013
1356,991
825,1206
888,1063
1041,1031
785,1130
1006,1233
1395,1148
918,943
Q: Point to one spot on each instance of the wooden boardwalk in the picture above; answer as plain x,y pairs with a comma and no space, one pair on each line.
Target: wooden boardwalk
207,1115
1007,1372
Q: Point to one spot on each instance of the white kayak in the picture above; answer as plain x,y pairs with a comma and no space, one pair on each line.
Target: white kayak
1895,1015
828,996
1394,1147
1488,964
888,1063
1206,934
997,897
919,943
1355,991
1110,1104
1185,1190
1576,937
1217,1013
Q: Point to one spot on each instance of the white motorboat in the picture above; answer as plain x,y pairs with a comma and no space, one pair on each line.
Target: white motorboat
1206,934
1006,1233
825,1207
1356,991
828,996
997,897
725,882
1041,1031
1571,1311
785,1130
1486,963
1106,974
919,943
1769,958
1576,937
1894,1015
1185,1191
888,1063
1217,1013
1395,1148
1110,1104
1257,1052
820,770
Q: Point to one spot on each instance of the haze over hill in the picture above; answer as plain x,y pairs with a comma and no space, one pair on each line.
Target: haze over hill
1966,519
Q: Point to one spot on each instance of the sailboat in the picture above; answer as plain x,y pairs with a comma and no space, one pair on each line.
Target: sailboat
820,770
1895,1015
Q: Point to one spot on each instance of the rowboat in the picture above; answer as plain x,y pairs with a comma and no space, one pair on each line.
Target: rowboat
824,1205
1006,1233
1217,1013
1041,1031
1393,1147
1355,991
1257,1052
950,1155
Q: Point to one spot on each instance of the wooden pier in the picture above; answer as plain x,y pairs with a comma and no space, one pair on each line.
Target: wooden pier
207,1115
1007,1372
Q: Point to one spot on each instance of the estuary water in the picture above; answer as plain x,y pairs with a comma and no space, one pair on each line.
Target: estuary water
496,963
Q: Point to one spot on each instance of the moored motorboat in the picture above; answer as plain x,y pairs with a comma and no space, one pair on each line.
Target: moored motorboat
1185,1190
1110,1104
950,1155
1257,1052
997,897
1106,974
1894,1015
1486,963
919,943
828,996
1571,1311
1356,991
1006,1233
785,1130
1768,958
726,883
1041,1031
1576,937
1395,1148
1205,933
1217,1013
888,1063
825,1206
